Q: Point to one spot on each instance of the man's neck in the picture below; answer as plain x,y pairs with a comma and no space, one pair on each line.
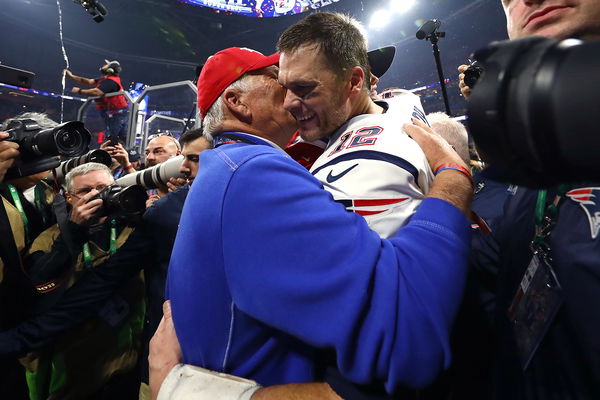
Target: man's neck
366,106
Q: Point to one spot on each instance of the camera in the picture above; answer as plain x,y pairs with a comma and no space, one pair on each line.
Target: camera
39,147
94,8
156,176
473,73
98,155
129,202
534,111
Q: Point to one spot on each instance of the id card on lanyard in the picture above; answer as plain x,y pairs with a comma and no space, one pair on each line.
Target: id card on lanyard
539,295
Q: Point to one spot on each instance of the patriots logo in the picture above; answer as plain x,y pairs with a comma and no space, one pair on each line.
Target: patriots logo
586,197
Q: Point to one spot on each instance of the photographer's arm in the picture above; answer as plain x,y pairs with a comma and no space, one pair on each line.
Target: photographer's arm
80,79
46,265
93,92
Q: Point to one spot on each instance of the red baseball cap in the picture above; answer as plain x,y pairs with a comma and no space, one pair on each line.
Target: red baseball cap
224,68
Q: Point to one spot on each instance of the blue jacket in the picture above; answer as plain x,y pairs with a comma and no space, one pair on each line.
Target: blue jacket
267,269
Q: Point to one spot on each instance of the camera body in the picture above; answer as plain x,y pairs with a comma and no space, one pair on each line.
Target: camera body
473,73
39,148
128,202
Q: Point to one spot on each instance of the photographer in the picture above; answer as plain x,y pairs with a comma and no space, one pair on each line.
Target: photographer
159,150
89,355
148,247
112,109
552,352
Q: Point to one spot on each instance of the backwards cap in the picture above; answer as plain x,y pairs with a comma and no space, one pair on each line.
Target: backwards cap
226,67
381,59
114,64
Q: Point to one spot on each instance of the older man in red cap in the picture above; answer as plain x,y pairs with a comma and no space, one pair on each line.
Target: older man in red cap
255,292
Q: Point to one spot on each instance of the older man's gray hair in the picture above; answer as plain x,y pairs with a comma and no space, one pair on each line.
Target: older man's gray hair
214,116
453,132
84,169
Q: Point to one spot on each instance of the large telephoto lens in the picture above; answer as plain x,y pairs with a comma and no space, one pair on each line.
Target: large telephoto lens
132,200
129,202
155,176
98,156
534,111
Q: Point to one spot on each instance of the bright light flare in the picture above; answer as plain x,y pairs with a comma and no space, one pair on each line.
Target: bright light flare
379,19
401,6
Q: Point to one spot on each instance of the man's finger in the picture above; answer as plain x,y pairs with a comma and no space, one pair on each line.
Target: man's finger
167,309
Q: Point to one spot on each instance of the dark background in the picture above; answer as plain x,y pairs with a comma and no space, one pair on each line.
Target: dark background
160,41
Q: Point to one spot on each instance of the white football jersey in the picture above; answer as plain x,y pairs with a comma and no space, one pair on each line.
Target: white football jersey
373,168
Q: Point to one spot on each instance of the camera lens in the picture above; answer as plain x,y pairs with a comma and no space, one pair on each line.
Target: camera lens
71,139
66,141
132,199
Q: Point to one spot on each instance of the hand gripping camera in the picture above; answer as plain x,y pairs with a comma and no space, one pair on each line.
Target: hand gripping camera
39,148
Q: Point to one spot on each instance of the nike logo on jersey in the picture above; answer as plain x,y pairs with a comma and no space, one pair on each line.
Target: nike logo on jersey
332,178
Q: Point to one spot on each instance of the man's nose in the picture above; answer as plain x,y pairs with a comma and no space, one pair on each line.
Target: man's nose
290,101
184,168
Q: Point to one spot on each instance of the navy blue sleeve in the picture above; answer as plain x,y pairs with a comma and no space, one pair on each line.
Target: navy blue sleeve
385,306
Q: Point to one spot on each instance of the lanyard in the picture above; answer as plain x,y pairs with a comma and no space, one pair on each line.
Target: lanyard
17,201
545,217
38,195
87,256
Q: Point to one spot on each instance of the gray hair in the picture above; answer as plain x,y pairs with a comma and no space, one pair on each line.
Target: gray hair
214,116
84,169
42,119
453,132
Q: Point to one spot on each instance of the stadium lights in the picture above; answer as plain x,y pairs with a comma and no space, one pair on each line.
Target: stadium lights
401,6
379,19
382,17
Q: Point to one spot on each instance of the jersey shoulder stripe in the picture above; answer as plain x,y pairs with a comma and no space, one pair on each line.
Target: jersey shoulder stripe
372,155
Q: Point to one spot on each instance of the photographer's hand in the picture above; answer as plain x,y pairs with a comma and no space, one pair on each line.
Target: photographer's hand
175,183
8,153
84,211
119,153
464,89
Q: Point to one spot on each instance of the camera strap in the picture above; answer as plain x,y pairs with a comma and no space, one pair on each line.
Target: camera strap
87,255
539,295
15,196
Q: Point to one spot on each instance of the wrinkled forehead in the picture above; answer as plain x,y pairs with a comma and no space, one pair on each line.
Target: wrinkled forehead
95,177
161,141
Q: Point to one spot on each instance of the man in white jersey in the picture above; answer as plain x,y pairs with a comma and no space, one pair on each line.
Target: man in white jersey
370,164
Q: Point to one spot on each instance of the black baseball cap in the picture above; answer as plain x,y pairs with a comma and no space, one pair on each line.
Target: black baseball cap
380,59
